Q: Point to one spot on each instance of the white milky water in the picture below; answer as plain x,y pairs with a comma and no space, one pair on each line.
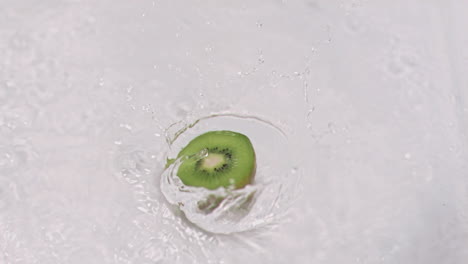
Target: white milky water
357,109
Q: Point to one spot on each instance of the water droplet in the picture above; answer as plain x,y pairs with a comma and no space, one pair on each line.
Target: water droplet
101,82
331,128
5,159
12,158
126,126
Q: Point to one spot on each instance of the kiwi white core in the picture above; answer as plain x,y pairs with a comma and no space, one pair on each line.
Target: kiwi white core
212,161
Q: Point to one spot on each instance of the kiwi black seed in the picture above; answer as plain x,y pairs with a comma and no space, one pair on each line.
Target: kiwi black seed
228,160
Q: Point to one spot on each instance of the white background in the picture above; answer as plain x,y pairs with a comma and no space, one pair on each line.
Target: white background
373,97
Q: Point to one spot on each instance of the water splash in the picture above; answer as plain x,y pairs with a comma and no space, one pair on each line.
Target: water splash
226,210
171,136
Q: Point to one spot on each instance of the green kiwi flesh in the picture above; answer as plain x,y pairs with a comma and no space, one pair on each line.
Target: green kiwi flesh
228,160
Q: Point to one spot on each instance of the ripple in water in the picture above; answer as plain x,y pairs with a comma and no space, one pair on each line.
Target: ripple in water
261,204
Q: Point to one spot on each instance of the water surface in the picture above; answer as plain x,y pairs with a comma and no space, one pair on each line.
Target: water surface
370,97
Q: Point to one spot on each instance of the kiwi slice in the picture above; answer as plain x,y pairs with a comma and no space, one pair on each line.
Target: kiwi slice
228,160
